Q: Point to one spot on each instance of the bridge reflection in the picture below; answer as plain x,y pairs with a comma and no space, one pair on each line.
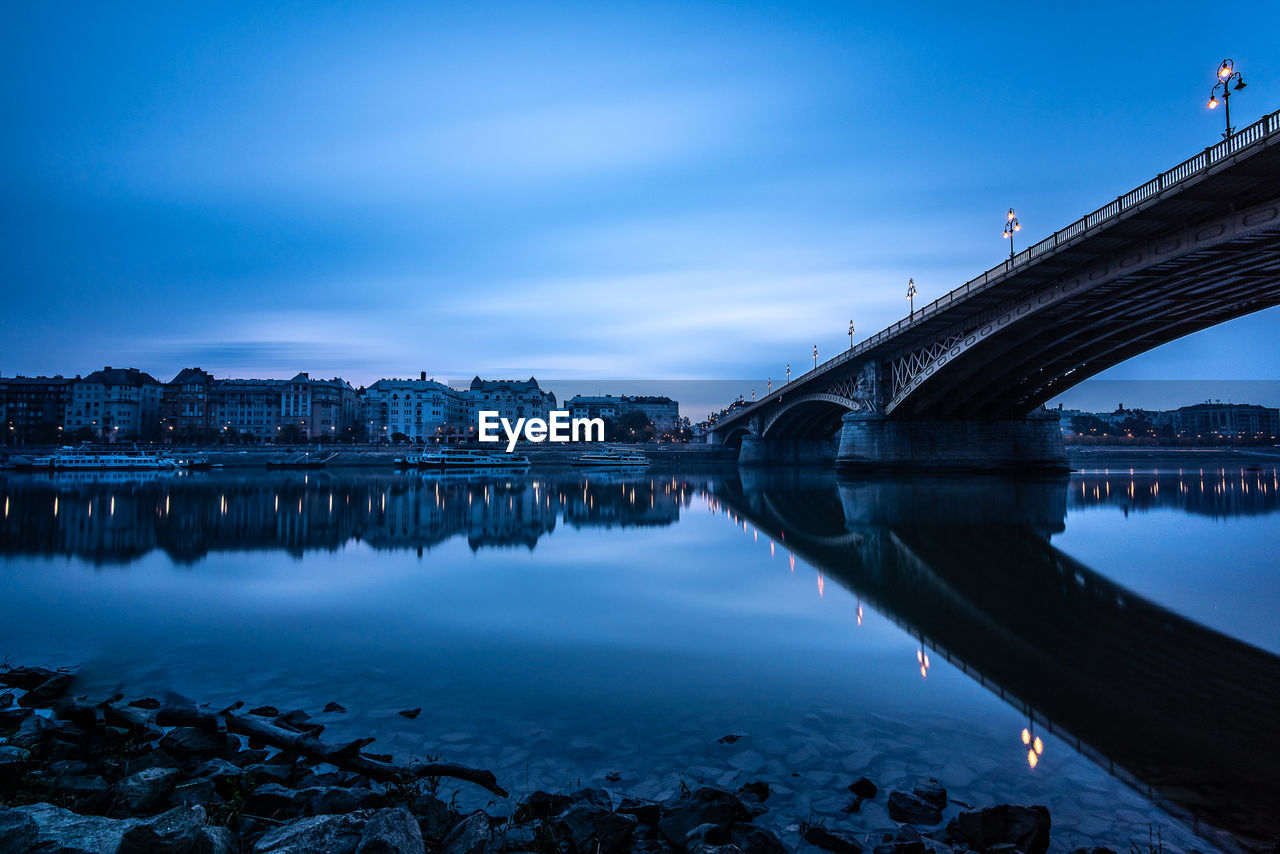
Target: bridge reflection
120,519
1186,714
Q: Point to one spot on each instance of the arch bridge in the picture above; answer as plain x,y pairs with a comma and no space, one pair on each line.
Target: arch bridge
962,382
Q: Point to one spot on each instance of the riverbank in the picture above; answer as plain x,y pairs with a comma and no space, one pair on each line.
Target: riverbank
115,774
1112,457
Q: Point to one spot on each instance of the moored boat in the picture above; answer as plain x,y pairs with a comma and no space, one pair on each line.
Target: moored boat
107,459
612,459
462,458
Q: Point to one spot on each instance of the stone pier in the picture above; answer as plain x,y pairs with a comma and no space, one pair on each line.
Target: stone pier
874,442
787,452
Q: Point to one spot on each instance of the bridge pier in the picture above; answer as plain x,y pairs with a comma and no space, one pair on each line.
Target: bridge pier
757,451
874,442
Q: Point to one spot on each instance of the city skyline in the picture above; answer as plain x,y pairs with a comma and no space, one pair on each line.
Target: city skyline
259,195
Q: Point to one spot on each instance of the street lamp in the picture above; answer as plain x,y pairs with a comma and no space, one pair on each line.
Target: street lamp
1011,225
815,357
753,395
911,295
788,373
850,334
1226,73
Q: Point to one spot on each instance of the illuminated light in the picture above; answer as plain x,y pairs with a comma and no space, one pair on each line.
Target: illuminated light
1213,103
770,542
859,613
1032,759
1026,736
113,505
55,506
1038,746
820,584
793,562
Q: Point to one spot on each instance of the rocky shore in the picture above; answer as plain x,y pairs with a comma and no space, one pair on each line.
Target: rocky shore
110,774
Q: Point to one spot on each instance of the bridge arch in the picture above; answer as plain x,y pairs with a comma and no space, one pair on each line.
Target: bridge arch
733,437
811,416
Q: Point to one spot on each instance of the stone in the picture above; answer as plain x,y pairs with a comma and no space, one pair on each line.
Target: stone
832,840
322,800
273,800
391,831
33,732
50,689
18,832
220,771
246,758
410,713
83,788
150,759
146,703
931,792
265,711
215,840
192,792
599,797
65,832
756,840
189,740
906,840
705,836
145,790
646,812
539,804
912,809
320,834
435,819
335,708
172,832
469,836
262,772
588,828
6,699
864,788
758,790
11,718
705,805
1027,828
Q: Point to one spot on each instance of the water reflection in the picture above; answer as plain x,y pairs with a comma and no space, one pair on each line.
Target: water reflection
1182,711
1215,492
120,519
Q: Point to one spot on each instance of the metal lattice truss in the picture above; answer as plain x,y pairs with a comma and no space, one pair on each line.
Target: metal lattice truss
909,367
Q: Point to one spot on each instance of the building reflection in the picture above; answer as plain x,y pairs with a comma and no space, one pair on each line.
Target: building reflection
1183,712
117,519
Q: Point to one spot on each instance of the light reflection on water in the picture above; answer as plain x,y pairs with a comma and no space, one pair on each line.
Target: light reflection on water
567,628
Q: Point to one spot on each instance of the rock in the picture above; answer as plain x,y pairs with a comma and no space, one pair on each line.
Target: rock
538,805
172,832
729,739
335,708
646,812
6,699
411,713
12,761
12,718
853,806
832,840
756,840
50,689
273,800
589,828
249,757
911,808
297,720
33,732
599,797
706,836
323,800
705,805
146,703
321,834
193,792
275,773
146,789
758,790
18,832
435,819
220,771
215,840
906,840
391,831
189,740
1027,828
864,788
150,759
265,712
469,836
84,788
63,831
1093,850
931,792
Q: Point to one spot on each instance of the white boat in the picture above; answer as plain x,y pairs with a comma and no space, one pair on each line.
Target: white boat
86,459
612,459
462,458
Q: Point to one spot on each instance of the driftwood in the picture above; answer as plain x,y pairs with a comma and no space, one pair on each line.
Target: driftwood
308,744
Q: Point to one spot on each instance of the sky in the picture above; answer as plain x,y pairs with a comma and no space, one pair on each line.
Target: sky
641,191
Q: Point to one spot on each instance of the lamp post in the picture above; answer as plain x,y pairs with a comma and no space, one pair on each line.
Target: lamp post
788,374
850,334
1226,73
753,395
1011,225
911,295
769,385
815,357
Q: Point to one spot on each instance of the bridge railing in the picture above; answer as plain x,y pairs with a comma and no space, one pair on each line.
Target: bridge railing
1192,167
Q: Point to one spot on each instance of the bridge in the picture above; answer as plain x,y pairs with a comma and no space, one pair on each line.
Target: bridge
1181,712
962,382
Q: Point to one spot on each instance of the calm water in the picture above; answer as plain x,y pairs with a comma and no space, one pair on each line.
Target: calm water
609,629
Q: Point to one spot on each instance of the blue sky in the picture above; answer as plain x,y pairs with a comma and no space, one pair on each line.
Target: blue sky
658,191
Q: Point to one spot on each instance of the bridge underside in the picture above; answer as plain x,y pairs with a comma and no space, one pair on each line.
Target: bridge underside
1036,359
